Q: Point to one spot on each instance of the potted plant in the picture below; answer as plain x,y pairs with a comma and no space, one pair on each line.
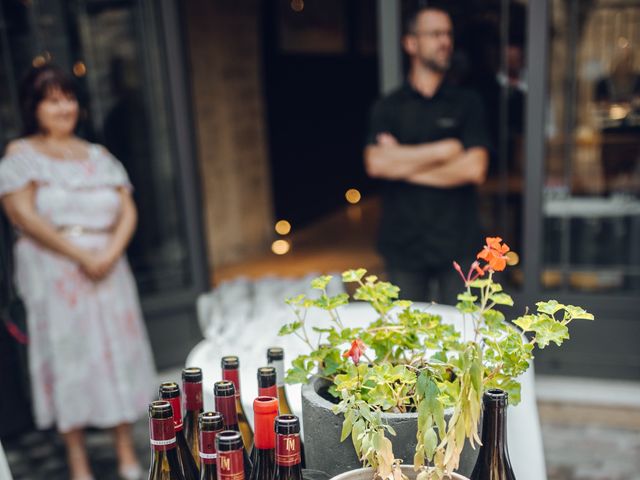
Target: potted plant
408,364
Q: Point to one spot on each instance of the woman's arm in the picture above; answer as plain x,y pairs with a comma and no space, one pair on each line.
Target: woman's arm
125,226
20,208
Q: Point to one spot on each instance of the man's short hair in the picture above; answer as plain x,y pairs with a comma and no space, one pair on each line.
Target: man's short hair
423,6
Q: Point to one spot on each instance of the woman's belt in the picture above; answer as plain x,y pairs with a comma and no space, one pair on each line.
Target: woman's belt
77,230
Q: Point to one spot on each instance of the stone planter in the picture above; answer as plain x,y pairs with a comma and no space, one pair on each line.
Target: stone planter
322,429
367,474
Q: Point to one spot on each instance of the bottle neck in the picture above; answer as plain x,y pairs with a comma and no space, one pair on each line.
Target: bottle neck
162,435
232,375
271,391
208,452
279,366
227,407
265,436
494,430
231,465
288,450
193,396
176,405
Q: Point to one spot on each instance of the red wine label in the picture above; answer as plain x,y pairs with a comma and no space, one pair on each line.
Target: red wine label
230,465
227,407
162,434
232,375
208,447
288,450
268,392
177,412
193,395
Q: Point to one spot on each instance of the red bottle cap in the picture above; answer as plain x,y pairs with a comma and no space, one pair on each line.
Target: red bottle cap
265,412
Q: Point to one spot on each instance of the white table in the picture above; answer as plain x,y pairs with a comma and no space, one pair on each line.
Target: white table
251,343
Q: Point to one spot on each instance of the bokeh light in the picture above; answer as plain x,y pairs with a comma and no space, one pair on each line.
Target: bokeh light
283,227
353,196
79,69
280,247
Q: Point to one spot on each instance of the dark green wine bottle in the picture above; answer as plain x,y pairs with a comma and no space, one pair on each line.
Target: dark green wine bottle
493,458
210,424
165,464
170,391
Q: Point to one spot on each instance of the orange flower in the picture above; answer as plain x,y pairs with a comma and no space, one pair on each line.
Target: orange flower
494,253
357,347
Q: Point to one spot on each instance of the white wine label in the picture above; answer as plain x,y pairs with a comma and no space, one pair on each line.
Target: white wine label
162,443
208,456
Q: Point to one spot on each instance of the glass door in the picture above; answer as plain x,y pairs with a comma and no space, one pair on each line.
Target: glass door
118,50
584,201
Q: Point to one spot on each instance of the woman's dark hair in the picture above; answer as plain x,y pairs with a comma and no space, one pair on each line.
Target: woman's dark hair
35,86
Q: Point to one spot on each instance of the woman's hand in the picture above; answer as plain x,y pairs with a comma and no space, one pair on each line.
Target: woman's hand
97,265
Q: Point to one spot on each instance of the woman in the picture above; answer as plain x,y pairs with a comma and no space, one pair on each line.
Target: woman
70,201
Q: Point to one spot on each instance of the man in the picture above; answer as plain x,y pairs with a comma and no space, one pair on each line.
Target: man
428,141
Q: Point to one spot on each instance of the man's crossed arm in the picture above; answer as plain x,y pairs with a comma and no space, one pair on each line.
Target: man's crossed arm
444,163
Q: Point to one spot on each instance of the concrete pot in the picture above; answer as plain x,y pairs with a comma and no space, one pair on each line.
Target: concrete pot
322,429
367,474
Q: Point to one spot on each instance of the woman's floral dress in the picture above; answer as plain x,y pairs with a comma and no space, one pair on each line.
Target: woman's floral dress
89,355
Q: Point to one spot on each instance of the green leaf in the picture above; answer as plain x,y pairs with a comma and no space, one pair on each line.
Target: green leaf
346,428
423,382
353,275
550,331
295,300
525,322
467,297
550,307
578,313
502,299
430,442
480,283
289,328
321,283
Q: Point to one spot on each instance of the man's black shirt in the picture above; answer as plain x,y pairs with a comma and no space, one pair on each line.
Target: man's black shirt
421,226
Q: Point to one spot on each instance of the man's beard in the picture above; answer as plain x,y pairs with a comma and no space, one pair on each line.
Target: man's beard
434,65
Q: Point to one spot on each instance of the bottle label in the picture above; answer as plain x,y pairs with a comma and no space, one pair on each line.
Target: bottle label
288,450
177,412
208,446
162,434
227,407
232,375
193,395
268,392
279,366
230,465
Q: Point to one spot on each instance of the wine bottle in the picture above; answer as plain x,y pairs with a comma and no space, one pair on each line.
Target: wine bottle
230,446
267,383
288,455
170,391
265,411
493,458
231,372
209,424
275,357
162,436
192,387
225,398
